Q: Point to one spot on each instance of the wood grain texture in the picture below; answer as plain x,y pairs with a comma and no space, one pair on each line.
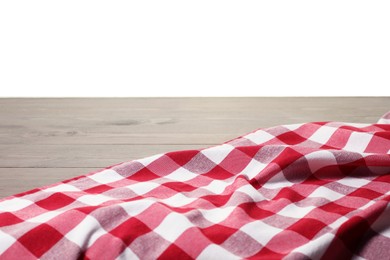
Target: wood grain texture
46,140
78,156
16,180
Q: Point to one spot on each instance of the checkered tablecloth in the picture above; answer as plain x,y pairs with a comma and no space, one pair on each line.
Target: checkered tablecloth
314,190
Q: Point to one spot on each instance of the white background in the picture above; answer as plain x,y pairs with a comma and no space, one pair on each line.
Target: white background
194,48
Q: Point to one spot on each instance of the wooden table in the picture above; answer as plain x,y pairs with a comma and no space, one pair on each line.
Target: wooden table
48,140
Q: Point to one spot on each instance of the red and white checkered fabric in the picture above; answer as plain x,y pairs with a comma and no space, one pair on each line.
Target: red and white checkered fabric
315,190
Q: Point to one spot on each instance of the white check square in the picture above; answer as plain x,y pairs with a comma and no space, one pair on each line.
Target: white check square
106,176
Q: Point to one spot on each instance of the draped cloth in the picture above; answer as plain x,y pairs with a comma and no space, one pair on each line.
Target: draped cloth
303,191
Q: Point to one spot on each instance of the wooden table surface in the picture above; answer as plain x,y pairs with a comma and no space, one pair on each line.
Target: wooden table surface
48,140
